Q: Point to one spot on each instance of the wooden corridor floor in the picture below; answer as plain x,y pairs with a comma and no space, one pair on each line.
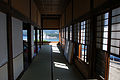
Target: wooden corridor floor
50,64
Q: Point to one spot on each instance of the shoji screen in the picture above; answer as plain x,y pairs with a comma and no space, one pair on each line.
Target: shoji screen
84,40
115,32
32,40
17,40
114,66
75,32
66,33
3,48
71,32
101,44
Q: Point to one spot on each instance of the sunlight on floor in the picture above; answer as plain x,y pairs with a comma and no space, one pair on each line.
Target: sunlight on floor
61,65
55,49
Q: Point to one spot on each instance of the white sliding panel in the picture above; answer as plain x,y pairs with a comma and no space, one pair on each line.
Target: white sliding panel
3,47
17,35
3,39
17,38
4,72
18,66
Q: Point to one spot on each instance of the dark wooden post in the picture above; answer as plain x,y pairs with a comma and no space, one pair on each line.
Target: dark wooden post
9,42
92,46
40,37
29,43
29,37
42,29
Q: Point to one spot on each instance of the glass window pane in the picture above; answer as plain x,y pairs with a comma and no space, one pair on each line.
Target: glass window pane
105,41
115,50
105,28
115,27
105,34
105,47
106,22
115,35
116,11
115,43
106,15
25,35
70,32
116,19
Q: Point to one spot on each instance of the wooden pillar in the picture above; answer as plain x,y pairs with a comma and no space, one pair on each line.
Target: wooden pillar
42,29
40,37
36,46
92,46
72,23
29,43
9,42
29,36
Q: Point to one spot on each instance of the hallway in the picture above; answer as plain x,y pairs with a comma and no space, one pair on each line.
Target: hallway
41,68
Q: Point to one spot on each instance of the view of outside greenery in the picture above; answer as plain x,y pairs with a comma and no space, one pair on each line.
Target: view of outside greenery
51,35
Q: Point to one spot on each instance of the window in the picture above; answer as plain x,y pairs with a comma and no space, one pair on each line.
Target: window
38,39
71,32
62,33
25,35
76,32
101,44
115,32
102,32
84,40
66,33
50,35
114,66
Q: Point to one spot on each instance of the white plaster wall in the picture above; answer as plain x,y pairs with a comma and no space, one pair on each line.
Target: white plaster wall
18,65
3,39
17,36
4,72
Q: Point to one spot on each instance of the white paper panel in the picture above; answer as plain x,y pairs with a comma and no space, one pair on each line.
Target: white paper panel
18,66
32,40
3,39
70,53
17,37
4,73
32,35
66,49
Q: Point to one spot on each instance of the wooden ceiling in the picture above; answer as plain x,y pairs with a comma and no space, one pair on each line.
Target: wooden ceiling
51,6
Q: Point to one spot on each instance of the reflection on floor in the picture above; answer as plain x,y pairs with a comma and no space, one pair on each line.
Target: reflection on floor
62,70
